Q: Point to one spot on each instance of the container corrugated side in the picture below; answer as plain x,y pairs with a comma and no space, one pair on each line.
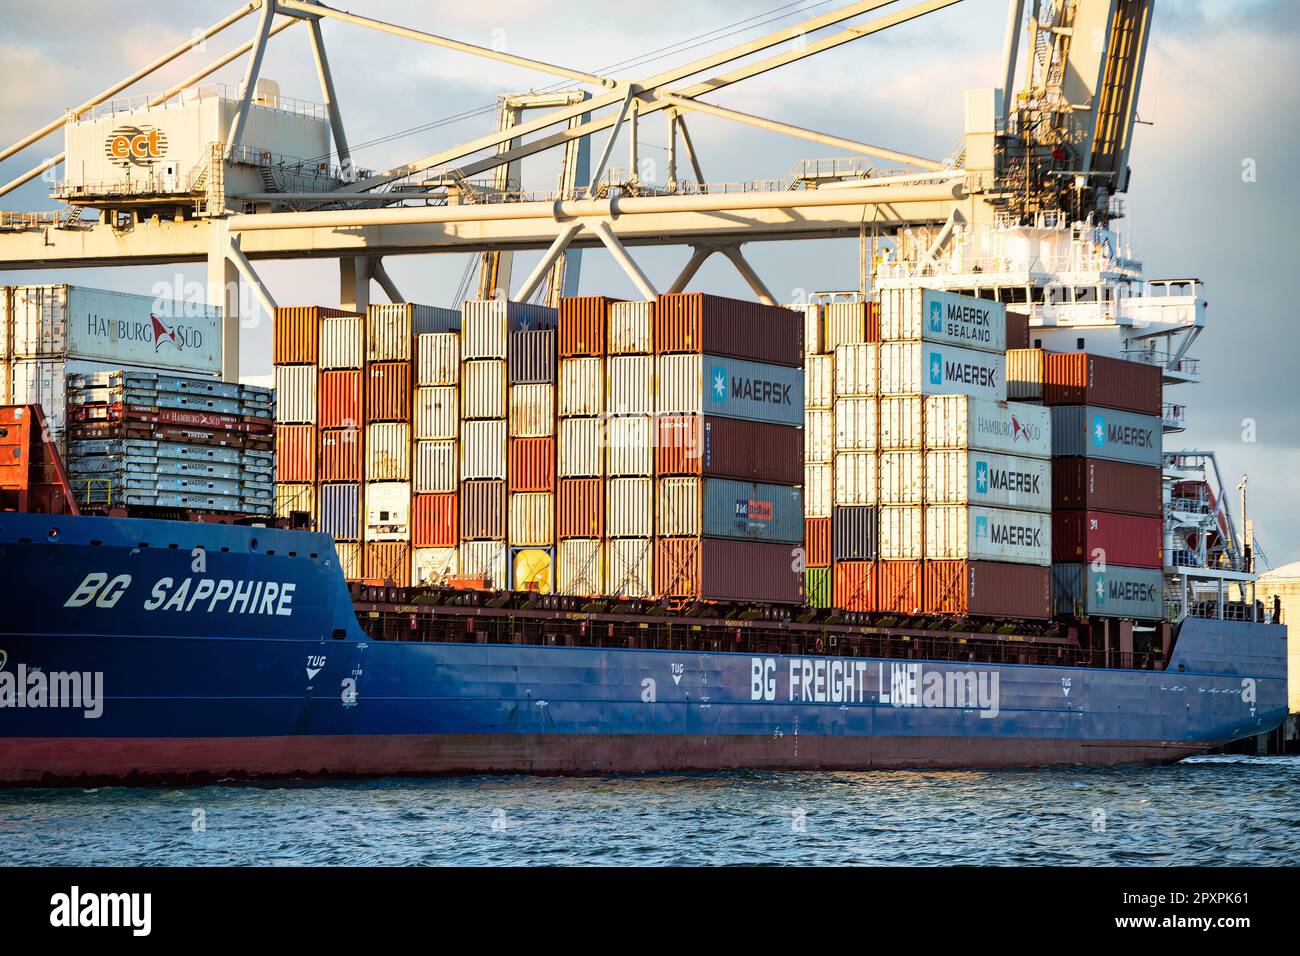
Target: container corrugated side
819,435
483,389
1025,374
856,371
1094,484
581,449
294,497
987,589
532,519
295,390
388,511
901,424
341,342
1080,431
856,424
814,337
483,450
437,413
296,333
349,560
630,385
390,329
728,448
715,569
1131,541
580,567
629,507
899,587
946,318
629,567
532,357
854,585
435,466
435,521
340,511
902,531
483,510
583,321
817,542
731,388
486,561
855,534
532,411
339,399
437,358
434,567
1080,590
1081,378
388,392
901,478
845,324
818,590
580,508
295,453
631,328
701,323
818,490
988,479
531,464
340,455
388,562
855,478
388,452
723,508
582,387
485,324
631,445
820,381
988,534
1012,428
913,368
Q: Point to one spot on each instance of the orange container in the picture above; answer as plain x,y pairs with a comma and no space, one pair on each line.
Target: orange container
583,320
338,399
696,322
434,521
340,454
817,541
580,510
855,583
531,464
899,587
295,453
387,562
988,589
296,336
388,392
873,322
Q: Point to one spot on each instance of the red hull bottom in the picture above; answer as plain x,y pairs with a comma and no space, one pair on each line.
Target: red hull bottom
53,761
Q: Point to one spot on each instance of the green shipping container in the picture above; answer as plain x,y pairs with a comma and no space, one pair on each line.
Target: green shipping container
818,587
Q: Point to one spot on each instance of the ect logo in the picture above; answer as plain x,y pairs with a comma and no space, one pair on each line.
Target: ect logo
936,317
981,477
718,388
936,369
135,145
1099,431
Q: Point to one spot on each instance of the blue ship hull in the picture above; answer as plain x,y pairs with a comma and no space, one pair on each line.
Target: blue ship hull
178,651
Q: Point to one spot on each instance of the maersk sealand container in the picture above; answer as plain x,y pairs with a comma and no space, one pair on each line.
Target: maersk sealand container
928,315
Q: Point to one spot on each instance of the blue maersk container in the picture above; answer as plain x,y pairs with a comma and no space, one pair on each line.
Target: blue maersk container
1090,431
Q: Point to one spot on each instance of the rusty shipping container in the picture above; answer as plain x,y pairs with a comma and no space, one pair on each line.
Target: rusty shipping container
583,321
340,399
434,521
483,389
987,589
437,358
295,453
1095,484
1132,541
899,587
1081,378
817,542
388,392
340,454
631,328
715,447
296,333
700,323
531,464
483,510
854,585
387,562
580,508
532,411
531,357
714,569
291,498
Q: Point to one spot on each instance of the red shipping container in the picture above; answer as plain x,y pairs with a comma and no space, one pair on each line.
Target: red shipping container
987,589
817,541
1080,378
387,562
434,523
483,510
580,509
713,569
339,399
388,392
340,454
583,321
530,464
696,322
1093,484
295,453
728,448
296,333
1127,541
855,585
899,587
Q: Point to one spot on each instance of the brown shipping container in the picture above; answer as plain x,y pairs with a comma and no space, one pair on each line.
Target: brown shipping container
1094,484
855,585
387,562
873,323
580,510
483,510
434,520
714,569
1017,330
339,396
340,454
583,320
295,453
729,448
898,587
388,392
1080,378
696,322
988,589
1126,541
296,335
531,464
817,541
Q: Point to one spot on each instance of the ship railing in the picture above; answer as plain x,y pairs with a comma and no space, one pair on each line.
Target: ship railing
195,94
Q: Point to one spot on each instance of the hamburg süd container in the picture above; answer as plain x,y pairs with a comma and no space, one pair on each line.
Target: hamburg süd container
580,567
387,562
820,381
437,413
723,508
295,458
291,498
483,389
1080,590
1095,484
818,491
927,368
987,589
900,478
631,328
580,508
532,357
856,424
390,329
388,392
900,424
435,466
532,520
817,542
854,587
629,507
486,323
945,318
531,464
483,510
717,569
581,448
532,569
434,521
731,388
437,358
582,387
532,411
340,511
709,324
855,478
434,567
341,342
630,385
818,591
729,448
296,333
295,390
388,451
959,422
1133,541
855,534
819,435
1025,374
583,322
902,532
340,455
988,479
629,567
974,533
339,392
483,450
631,445
486,562
388,511
1081,378
1080,431
856,371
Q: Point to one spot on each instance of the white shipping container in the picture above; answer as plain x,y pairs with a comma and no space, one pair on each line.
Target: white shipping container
819,375
901,530
631,328
988,479
388,511
818,490
435,467
532,411
900,423
818,435
813,337
678,511
295,394
483,389
532,519
581,567
845,323
582,386
915,368
483,450
483,329
437,358
913,315
855,424
1012,428
855,478
856,370
970,533
629,507
629,567
630,389
388,451
434,566
390,329
901,479
581,451
340,341
631,445
437,412
485,559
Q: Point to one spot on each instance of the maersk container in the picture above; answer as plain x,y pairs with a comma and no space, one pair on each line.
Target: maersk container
290,498
435,466
1084,590
631,328
856,371
901,479
483,389
988,479
580,567
295,389
485,561
486,323
1132,541
819,435
945,318
340,511
1087,431
629,507
434,567
483,510
341,342
731,388
818,490
629,567
847,323
900,423
631,445
532,357
581,449
582,387
855,534
1025,374
709,324
820,376
1081,378
960,422
718,569
855,478
435,521
987,589
583,321
926,368
387,562
728,448
388,452
532,520
532,411
483,450
902,532
390,329
437,413
630,385
970,533
1094,484
388,511
856,424
437,358
723,508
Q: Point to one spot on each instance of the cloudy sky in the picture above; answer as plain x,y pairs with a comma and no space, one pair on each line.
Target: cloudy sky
1220,94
